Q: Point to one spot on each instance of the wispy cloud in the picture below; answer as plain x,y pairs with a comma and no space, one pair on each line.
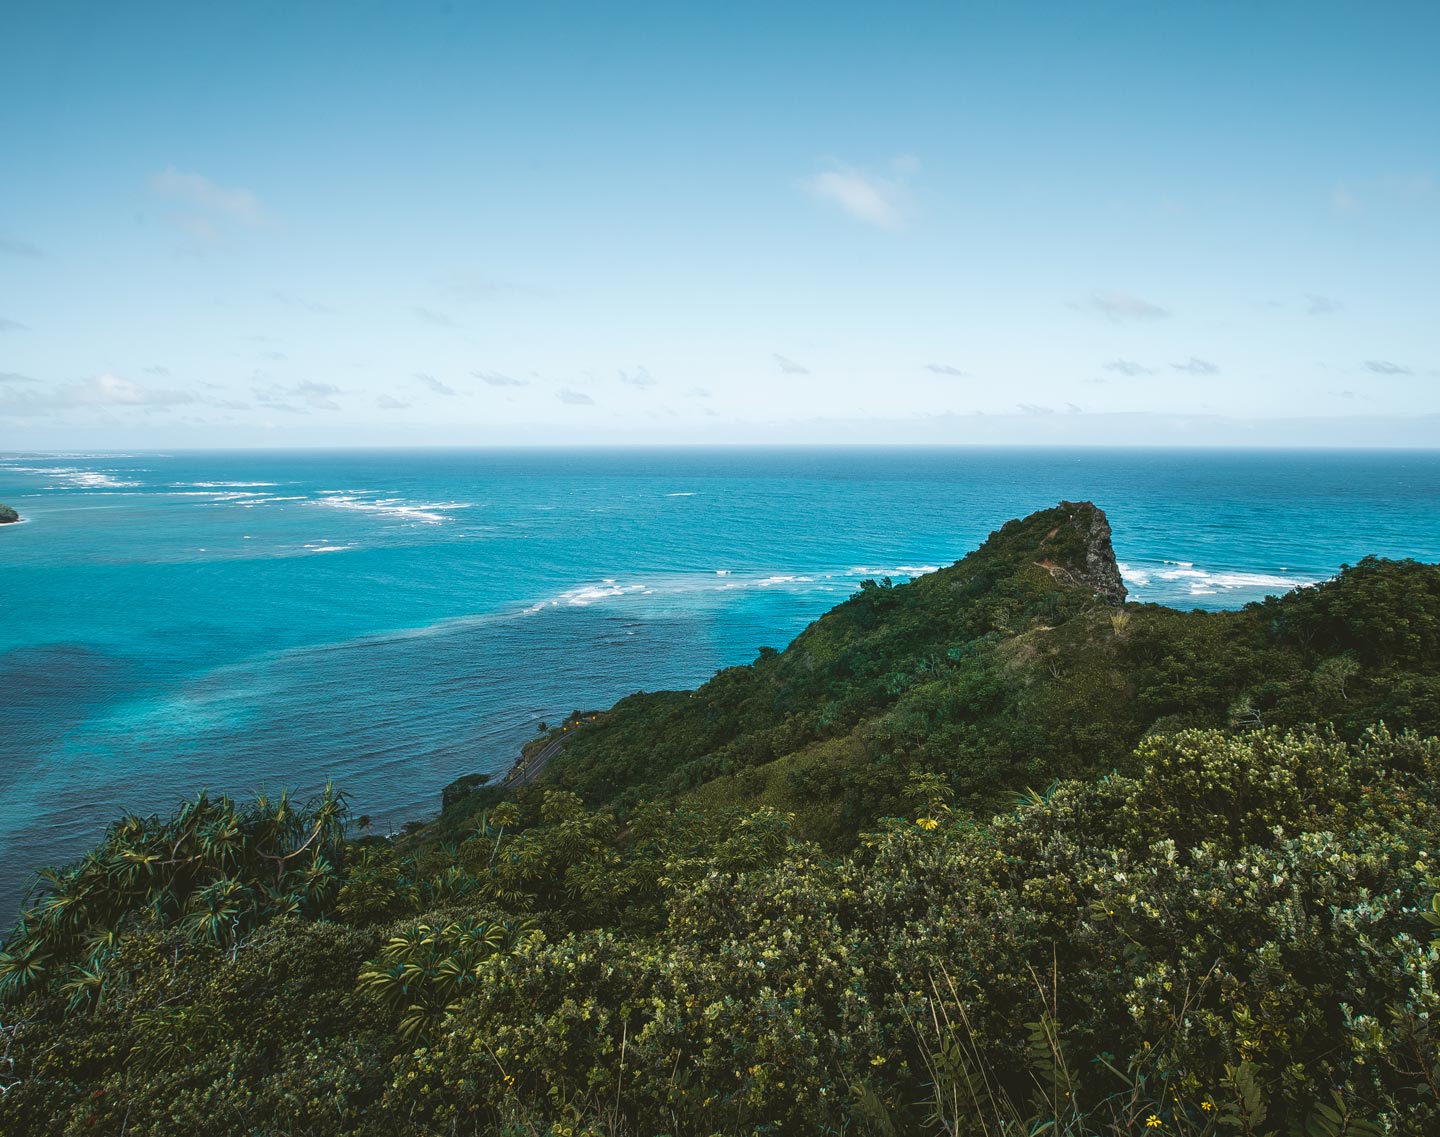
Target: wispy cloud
875,199
637,378
200,192
1034,409
390,403
496,379
574,398
317,395
1322,305
1343,201
204,206
434,318
789,366
24,397
12,325
467,286
946,369
434,386
158,371
1120,307
1392,189
1193,366
1387,367
17,248
297,302
1128,367
15,377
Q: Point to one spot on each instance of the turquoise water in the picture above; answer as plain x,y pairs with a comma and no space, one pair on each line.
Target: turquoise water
391,620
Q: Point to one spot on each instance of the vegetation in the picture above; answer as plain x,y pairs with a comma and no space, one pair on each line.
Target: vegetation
821,894
7,515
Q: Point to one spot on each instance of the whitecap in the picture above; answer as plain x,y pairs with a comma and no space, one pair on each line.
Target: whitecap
427,513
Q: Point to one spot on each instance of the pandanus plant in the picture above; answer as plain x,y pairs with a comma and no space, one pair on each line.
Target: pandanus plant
216,869
425,970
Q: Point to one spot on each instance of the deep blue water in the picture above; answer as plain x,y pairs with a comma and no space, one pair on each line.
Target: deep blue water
391,620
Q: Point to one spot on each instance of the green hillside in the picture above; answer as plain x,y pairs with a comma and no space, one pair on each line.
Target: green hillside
1016,665
993,852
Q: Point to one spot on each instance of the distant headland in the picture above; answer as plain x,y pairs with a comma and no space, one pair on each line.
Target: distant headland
8,516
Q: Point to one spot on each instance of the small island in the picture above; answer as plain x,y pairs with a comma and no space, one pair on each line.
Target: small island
8,516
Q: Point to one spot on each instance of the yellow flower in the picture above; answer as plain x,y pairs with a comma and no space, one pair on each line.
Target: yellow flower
878,1060
1152,1122
926,823
1206,1106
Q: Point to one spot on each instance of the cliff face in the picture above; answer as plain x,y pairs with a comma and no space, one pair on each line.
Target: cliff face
8,516
1100,572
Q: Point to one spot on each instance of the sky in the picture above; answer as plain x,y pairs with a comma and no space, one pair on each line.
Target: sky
312,224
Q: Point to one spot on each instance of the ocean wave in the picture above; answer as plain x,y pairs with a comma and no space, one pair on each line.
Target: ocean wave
588,594
228,485
75,477
685,493
915,570
1210,582
425,512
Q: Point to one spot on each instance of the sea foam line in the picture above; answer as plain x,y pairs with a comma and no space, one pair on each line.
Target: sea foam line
428,513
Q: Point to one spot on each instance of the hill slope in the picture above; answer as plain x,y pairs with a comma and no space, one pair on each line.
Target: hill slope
1018,664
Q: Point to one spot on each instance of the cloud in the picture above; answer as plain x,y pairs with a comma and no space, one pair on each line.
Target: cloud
871,198
1391,190
467,286
104,390
296,302
495,379
207,202
789,366
1035,409
12,326
317,395
1386,367
15,377
1193,366
17,248
1128,367
437,319
1343,201
434,386
698,393
390,403
640,378
946,369
1120,308
1322,305
157,370
574,398
109,388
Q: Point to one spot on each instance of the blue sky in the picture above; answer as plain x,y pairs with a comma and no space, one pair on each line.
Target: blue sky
302,224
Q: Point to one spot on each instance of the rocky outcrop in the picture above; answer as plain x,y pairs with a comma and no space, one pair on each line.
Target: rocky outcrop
8,516
1102,573
1078,553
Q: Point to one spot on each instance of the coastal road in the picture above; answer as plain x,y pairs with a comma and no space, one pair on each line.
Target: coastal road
529,771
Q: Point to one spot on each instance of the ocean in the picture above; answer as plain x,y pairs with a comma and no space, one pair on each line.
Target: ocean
391,620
